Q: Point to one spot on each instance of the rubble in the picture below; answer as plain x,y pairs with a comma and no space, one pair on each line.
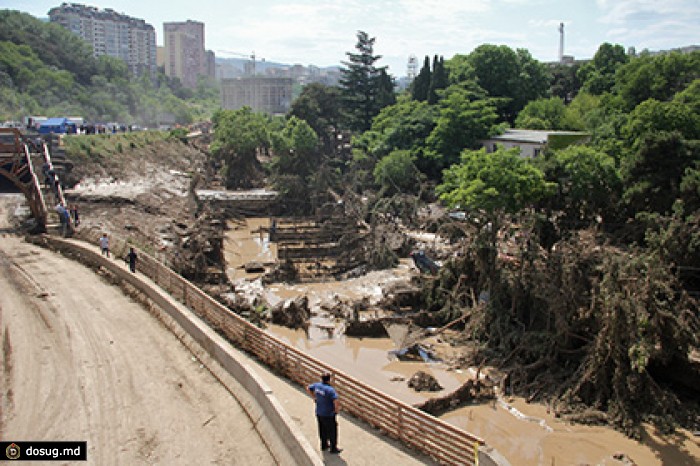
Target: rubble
423,382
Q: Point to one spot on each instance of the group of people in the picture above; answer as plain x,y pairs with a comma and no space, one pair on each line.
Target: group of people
130,258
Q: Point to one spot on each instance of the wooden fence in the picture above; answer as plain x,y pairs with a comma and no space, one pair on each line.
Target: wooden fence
446,443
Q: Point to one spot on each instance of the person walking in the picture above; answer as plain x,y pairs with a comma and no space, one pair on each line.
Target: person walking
104,245
64,218
131,259
327,407
75,213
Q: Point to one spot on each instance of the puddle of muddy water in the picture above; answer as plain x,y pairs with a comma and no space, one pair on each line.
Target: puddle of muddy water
519,439
248,241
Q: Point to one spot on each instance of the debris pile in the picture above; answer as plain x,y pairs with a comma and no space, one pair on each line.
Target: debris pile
421,381
292,313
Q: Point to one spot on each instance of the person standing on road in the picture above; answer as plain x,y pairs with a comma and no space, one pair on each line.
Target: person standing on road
104,245
131,259
327,407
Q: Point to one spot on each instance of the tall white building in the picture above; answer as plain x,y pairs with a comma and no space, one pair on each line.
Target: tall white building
111,33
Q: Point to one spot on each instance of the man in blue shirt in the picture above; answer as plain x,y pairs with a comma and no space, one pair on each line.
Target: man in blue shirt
327,407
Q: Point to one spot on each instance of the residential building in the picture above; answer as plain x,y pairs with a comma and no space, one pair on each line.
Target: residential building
533,142
262,94
185,56
110,33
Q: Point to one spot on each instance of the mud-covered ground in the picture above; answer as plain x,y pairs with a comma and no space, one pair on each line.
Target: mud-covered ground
141,195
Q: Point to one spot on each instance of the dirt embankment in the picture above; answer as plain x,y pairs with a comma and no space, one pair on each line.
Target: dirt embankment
141,194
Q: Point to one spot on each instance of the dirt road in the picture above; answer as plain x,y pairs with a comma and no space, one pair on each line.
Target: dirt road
81,361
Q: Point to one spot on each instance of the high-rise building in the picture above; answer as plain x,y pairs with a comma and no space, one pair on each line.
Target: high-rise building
185,56
111,33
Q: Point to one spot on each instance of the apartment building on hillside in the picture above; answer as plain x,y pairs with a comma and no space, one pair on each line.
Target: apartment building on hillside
185,56
110,33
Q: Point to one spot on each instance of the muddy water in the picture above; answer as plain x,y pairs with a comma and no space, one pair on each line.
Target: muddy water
248,241
525,434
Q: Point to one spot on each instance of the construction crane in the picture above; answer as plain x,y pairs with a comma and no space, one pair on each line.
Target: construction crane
244,55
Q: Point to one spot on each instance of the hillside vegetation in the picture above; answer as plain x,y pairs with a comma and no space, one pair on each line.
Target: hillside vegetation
47,70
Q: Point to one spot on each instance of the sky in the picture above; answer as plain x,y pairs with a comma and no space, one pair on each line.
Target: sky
321,32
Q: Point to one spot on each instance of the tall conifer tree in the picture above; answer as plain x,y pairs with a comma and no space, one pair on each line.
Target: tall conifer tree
362,84
438,79
421,84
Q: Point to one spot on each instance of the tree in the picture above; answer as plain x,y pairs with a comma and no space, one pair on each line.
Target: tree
498,183
513,76
465,118
491,186
589,185
598,75
319,106
438,79
421,84
565,83
543,114
396,173
658,77
363,85
385,89
654,174
238,137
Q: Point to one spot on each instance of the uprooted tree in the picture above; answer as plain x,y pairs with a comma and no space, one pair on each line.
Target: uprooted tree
602,332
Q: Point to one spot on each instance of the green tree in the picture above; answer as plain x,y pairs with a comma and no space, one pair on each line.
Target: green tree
396,173
598,75
319,106
296,159
438,80
512,76
543,114
589,185
421,84
498,183
565,83
239,135
492,186
658,77
465,118
363,85
654,173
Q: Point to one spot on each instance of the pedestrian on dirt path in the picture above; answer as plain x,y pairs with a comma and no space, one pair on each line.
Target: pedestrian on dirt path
327,407
75,213
104,245
64,218
131,259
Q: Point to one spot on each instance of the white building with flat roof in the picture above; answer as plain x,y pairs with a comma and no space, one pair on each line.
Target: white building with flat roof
532,142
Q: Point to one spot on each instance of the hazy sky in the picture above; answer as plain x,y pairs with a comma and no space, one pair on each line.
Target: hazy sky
320,32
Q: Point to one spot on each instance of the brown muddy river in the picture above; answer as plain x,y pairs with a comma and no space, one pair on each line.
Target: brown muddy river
525,434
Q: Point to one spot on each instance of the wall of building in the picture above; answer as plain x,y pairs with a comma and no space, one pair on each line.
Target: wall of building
262,94
185,56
